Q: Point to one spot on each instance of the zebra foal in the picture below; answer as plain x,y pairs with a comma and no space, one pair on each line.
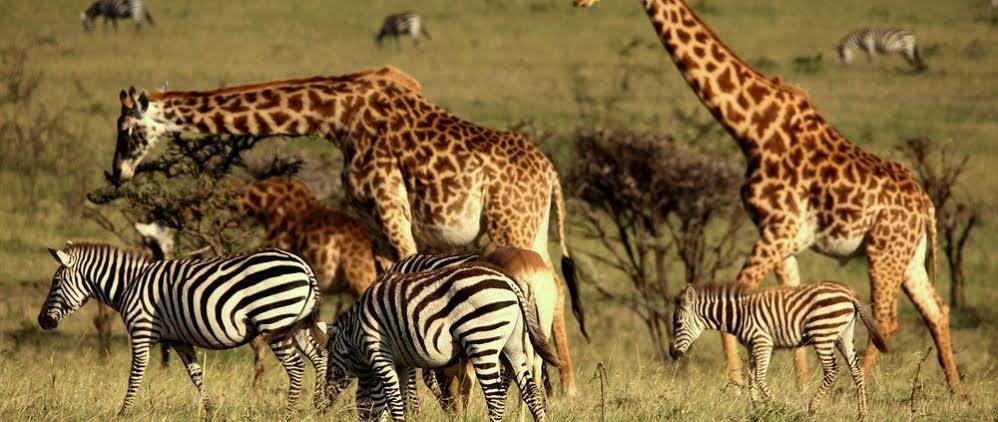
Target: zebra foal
821,314
881,41
400,25
214,303
432,320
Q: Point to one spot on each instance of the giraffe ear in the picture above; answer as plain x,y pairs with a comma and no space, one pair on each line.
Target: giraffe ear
143,102
126,101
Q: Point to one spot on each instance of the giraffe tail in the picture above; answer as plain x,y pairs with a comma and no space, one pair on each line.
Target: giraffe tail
933,246
871,325
567,264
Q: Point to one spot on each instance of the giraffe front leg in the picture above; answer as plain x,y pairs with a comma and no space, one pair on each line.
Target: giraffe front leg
396,218
140,358
190,360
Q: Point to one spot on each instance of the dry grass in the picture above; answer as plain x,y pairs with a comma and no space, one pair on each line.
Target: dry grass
496,63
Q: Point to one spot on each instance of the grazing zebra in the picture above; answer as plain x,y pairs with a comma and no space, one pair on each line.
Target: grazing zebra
402,24
214,303
112,10
881,41
433,319
821,314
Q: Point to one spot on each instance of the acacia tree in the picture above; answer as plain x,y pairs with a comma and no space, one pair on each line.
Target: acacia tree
644,196
940,172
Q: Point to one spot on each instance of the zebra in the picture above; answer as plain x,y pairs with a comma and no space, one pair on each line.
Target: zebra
401,24
881,41
215,303
112,10
821,314
432,319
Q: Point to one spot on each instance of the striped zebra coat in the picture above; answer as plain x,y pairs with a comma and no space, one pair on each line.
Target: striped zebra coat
112,10
821,314
432,320
214,303
881,41
400,25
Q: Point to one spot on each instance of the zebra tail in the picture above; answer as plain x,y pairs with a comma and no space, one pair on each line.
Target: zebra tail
871,325
310,322
152,22
537,338
918,59
422,28
567,264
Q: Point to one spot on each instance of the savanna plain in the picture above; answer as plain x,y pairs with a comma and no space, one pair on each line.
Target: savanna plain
497,63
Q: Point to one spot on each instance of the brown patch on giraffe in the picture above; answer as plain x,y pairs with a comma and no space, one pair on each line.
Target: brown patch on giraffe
279,118
269,100
757,92
724,82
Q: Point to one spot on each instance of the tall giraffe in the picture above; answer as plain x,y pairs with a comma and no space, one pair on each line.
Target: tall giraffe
424,177
807,186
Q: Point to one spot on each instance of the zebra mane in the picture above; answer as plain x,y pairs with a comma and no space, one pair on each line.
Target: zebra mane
715,287
90,246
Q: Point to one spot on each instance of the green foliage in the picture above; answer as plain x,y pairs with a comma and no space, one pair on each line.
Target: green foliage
808,64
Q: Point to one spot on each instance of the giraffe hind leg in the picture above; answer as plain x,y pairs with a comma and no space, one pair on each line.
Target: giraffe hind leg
935,313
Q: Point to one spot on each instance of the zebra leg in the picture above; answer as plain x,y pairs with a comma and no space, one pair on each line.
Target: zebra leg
487,371
190,360
316,355
789,275
762,350
529,392
847,347
285,352
365,404
140,358
391,390
165,354
432,382
826,355
412,398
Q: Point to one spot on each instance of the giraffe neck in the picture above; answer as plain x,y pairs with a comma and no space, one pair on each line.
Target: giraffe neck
732,91
337,111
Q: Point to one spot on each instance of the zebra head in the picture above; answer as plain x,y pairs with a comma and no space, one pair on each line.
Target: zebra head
89,16
845,53
138,131
68,291
340,357
687,324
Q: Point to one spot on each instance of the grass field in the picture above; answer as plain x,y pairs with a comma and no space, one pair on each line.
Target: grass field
495,63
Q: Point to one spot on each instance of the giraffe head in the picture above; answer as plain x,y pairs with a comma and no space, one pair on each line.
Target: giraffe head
139,129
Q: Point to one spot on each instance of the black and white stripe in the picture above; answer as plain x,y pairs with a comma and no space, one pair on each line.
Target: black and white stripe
402,24
215,303
433,319
112,10
821,314
881,41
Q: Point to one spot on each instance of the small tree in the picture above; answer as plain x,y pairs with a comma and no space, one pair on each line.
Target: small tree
939,170
643,196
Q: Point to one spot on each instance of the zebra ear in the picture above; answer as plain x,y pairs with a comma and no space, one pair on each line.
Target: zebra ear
689,294
60,257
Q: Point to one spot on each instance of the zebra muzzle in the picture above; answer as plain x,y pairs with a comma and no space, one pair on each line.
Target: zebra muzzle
675,353
47,322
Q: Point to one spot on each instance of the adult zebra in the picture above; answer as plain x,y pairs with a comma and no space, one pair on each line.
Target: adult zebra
112,10
821,314
881,41
215,303
399,25
431,320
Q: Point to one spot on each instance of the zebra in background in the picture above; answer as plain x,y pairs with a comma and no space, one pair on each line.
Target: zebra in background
399,25
821,314
214,303
881,41
112,10
431,320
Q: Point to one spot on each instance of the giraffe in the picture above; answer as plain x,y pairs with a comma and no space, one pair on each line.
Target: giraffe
422,176
807,186
333,243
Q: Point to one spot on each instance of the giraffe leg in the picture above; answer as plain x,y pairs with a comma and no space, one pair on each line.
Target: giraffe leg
774,246
140,358
826,356
886,273
259,353
847,347
789,275
190,361
285,352
935,313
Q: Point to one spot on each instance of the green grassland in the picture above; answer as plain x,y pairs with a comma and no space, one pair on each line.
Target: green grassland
495,63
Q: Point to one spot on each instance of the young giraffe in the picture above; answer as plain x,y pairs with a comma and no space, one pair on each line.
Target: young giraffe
334,244
423,176
809,187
